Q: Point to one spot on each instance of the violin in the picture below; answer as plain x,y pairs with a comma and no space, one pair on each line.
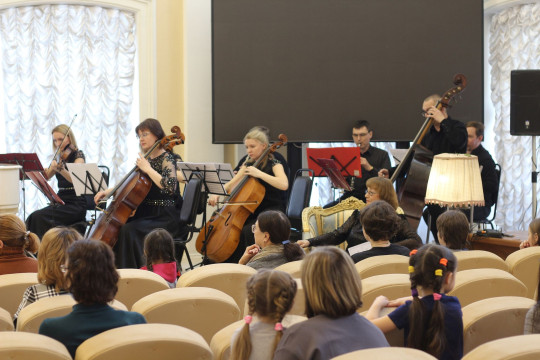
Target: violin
65,154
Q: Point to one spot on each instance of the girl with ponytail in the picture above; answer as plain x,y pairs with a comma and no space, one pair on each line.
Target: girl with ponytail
270,295
432,321
15,245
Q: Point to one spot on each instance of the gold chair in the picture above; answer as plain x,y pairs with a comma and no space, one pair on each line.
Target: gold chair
6,321
477,259
522,347
203,310
27,346
523,264
134,284
492,319
12,288
293,268
386,353
145,341
380,265
392,286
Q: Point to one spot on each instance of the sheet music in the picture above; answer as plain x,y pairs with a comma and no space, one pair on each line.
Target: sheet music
398,154
214,175
83,184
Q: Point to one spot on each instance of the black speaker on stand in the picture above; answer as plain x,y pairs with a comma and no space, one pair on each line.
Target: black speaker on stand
525,114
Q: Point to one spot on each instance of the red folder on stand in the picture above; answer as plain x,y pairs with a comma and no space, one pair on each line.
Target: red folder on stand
346,158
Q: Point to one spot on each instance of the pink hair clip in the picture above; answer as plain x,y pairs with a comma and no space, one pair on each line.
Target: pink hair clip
437,296
278,327
248,319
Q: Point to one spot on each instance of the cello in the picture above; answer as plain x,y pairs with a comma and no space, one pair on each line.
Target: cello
220,237
413,189
128,194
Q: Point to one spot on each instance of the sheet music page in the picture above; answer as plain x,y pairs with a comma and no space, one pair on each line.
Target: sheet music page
398,154
214,175
82,184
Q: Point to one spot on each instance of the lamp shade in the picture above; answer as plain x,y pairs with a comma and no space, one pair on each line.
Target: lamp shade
455,181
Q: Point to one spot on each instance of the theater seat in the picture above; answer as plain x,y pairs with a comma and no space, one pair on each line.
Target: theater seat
477,259
386,353
380,265
522,347
134,284
27,346
294,268
6,322
523,264
12,288
393,286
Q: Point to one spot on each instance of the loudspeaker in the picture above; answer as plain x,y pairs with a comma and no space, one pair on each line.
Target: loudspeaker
525,102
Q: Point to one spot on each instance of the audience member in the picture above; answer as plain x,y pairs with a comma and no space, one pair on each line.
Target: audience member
159,254
333,293
532,319
51,258
270,295
532,239
453,230
272,246
432,321
92,280
15,241
380,222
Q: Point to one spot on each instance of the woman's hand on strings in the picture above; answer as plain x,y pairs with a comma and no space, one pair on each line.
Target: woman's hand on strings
213,200
253,172
100,195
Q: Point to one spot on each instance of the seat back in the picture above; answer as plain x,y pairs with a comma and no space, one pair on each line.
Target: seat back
386,353
192,200
392,286
476,259
28,346
492,319
12,288
203,310
523,264
380,265
294,268
229,278
489,220
145,341
522,347
299,197
134,284
478,284
6,321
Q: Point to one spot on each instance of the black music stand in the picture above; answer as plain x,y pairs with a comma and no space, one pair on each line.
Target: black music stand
28,162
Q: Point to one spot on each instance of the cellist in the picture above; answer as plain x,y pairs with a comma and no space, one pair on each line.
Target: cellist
160,208
272,175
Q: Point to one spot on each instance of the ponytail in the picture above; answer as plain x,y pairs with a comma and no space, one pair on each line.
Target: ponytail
292,251
241,348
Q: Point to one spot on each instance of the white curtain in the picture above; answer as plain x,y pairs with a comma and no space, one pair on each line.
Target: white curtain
514,44
62,60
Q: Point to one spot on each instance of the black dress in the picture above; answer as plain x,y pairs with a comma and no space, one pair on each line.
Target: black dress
160,209
74,210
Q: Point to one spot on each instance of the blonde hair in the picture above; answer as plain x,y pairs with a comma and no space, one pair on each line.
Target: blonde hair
13,233
270,293
66,130
332,286
259,134
52,254
385,189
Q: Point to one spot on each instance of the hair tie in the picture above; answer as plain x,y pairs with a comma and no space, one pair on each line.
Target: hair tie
278,327
443,261
413,252
437,296
285,242
411,269
438,272
414,292
248,319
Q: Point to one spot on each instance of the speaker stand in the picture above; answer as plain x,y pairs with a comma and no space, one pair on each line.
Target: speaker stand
534,176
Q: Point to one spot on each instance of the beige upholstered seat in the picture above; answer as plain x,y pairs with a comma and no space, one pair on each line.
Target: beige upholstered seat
380,265
27,346
6,322
203,310
134,284
392,286
293,268
522,347
387,353
12,288
229,278
492,319
221,341
145,341
523,264
31,317
477,284
477,259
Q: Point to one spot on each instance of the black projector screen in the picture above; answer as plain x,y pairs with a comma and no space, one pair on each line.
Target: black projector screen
310,68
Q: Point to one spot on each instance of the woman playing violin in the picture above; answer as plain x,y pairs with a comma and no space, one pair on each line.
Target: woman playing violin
160,208
74,210
272,175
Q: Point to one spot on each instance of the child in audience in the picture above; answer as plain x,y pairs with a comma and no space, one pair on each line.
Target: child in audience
159,253
15,241
380,223
534,230
532,319
270,295
453,230
432,321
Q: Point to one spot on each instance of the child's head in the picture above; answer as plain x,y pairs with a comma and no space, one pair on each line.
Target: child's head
534,231
13,234
270,295
453,229
432,269
379,220
158,247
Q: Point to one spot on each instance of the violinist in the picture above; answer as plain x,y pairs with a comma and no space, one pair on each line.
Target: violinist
272,175
159,208
74,210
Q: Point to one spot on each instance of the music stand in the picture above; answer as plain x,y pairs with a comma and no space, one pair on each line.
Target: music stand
87,178
330,167
347,159
28,162
41,183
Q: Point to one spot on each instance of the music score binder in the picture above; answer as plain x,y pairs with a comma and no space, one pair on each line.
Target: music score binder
348,160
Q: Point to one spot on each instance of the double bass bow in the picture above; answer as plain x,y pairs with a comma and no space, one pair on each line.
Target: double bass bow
220,237
413,190
128,194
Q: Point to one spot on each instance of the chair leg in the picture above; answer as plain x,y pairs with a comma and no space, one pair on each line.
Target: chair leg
188,257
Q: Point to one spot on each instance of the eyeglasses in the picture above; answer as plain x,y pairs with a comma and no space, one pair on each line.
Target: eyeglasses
63,268
144,134
370,193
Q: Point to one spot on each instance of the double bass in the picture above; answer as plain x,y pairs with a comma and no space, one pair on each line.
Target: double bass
128,194
220,237
413,190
